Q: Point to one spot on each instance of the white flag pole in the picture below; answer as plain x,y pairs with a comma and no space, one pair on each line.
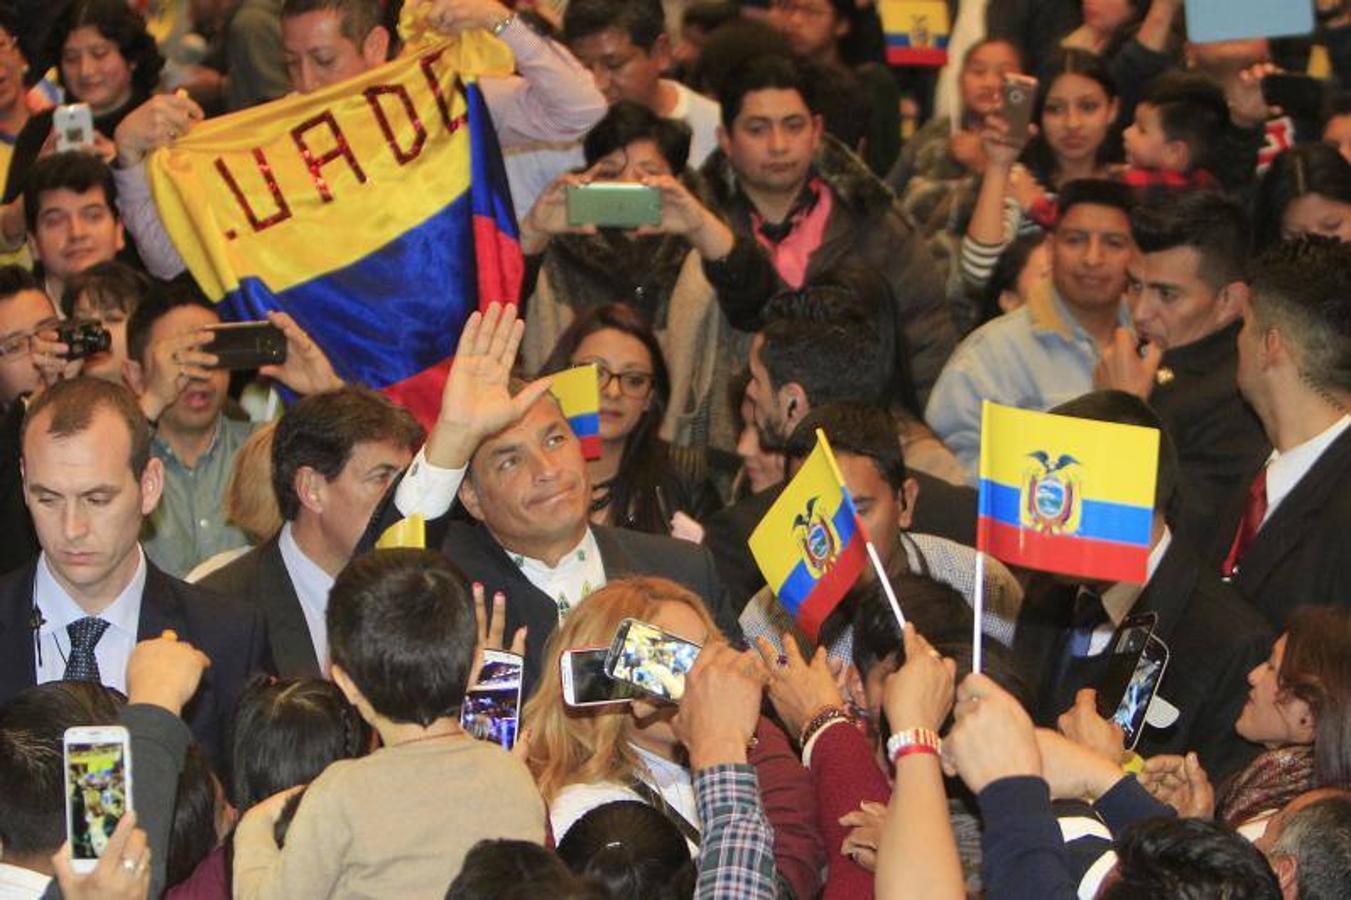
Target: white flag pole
886,584
978,613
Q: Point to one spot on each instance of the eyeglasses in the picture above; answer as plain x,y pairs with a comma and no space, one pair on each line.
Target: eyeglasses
631,384
18,342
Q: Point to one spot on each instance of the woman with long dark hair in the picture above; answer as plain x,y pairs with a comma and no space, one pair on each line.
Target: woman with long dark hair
633,483
1306,190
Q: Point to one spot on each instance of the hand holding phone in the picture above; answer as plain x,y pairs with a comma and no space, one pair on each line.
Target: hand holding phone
585,682
246,345
1020,95
650,659
492,707
1134,671
613,204
74,127
98,789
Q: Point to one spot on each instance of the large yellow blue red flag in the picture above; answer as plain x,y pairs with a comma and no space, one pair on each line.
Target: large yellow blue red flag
811,545
375,211
1065,494
578,393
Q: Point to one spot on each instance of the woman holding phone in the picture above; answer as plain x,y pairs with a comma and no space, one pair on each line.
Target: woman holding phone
585,758
635,483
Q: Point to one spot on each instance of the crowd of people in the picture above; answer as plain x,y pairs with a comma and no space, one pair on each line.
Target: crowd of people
844,246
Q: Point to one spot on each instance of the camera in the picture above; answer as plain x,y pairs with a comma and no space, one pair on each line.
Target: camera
84,338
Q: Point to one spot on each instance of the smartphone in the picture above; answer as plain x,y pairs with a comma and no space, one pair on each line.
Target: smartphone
247,345
585,682
492,707
613,204
1134,670
1020,95
74,126
650,659
98,789
1296,95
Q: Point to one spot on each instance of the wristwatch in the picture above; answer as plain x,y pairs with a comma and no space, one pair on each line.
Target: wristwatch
913,740
501,24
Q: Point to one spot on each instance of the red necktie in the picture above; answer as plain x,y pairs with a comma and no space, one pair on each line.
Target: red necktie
1254,511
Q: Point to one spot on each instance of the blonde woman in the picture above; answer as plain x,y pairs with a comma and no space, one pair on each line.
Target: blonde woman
584,758
249,501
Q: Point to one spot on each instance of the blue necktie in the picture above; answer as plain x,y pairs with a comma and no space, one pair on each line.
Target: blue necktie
84,637
1089,613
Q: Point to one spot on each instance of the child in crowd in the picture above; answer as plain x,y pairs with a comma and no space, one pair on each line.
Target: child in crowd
1177,129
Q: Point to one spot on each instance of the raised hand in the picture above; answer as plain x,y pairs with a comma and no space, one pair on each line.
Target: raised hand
171,365
165,672
1122,367
919,694
476,401
683,214
122,873
993,738
1082,724
307,369
798,690
456,16
156,122
491,629
1072,770
721,705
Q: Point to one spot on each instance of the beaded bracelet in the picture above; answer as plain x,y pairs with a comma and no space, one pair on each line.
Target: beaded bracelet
822,718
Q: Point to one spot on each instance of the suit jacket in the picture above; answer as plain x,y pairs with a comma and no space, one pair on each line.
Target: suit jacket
942,509
623,553
259,577
20,545
1219,438
1214,639
1302,555
232,634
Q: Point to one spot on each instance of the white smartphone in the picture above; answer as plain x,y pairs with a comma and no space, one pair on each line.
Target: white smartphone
98,789
74,126
585,682
492,707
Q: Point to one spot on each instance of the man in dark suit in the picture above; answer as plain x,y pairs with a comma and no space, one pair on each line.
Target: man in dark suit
1214,638
80,608
334,456
819,346
518,470
1286,540
1186,288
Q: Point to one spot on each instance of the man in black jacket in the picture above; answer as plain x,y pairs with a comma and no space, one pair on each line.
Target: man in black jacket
1214,638
506,451
80,608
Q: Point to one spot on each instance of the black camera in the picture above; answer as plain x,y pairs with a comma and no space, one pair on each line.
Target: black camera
84,338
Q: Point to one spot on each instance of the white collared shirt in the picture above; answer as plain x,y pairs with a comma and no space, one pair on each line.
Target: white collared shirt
17,883
1286,470
312,585
427,490
1120,597
578,573
58,609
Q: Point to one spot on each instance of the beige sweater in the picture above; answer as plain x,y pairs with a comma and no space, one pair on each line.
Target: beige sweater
397,823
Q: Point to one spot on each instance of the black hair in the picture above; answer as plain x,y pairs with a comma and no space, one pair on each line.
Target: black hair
845,106
627,122
286,731
994,39
322,430
1038,155
856,428
710,14
1303,287
15,279
163,298
116,21
1098,192
1128,409
192,835
72,170
633,850
642,20
32,771
1192,109
730,47
1209,222
645,461
763,73
1008,268
401,625
358,18
517,870
1189,858
1303,169
112,287
1318,837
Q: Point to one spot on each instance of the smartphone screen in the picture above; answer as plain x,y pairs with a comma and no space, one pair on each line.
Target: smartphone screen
585,682
98,788
650,659
1140,690
492,707
1133,673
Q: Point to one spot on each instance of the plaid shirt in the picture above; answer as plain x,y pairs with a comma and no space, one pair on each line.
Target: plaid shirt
736,855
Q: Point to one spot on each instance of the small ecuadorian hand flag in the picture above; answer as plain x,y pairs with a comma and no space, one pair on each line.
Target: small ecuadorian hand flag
917,31
811,545
1066,495
578,393
409,532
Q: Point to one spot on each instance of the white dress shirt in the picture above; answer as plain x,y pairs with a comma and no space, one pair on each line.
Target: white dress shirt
21,884
312,585
427,490
1286,470
578,573
57,610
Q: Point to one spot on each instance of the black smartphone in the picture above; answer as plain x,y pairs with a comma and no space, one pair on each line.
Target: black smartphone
585,682
1134,670
246,345
1296,95
650,659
